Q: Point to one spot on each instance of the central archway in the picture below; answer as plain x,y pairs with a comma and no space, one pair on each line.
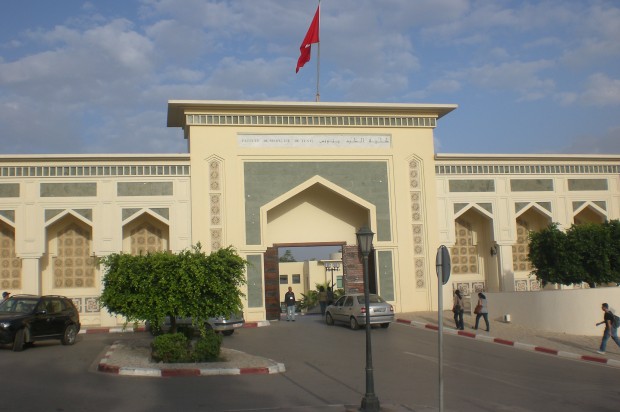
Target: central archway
315,213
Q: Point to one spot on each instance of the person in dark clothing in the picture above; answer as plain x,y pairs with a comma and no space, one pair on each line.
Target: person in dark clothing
484,311
330,295
289,300
322,299
610,331
458,310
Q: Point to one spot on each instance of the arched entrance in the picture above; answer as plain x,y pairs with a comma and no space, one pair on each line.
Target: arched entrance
316,213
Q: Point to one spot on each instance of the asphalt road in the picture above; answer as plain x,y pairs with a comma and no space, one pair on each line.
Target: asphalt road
325,370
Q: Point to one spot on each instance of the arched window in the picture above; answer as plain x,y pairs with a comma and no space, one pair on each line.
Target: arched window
74,267
465,251
10,265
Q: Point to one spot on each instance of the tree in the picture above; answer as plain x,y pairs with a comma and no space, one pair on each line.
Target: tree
585,253
550,257
162,284
287,256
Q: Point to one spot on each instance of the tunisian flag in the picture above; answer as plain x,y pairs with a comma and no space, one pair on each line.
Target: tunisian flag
311,37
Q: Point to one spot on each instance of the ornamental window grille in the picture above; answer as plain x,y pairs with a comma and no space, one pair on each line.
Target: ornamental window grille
464,253
146,238
520,250
74,267
10,264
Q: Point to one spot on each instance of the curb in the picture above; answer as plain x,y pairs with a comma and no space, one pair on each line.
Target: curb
105,367
121,329
517,345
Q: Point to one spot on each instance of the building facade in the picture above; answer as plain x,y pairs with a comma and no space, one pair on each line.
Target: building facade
267,175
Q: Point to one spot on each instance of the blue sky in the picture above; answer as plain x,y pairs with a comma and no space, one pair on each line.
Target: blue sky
95,77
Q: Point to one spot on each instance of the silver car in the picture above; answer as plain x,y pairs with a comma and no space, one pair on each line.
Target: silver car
351,309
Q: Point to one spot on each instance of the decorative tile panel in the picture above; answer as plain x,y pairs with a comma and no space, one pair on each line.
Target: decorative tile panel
91,304
464,254
74,267
10,264
521,285
520,249
417,228
216,210
146,238
477,287
464,287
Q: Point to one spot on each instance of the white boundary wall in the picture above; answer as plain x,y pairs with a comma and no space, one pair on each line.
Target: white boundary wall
575,312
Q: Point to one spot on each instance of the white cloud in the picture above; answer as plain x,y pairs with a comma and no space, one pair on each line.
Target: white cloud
601,90
523,78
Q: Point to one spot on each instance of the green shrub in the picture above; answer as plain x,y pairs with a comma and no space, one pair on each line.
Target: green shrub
178,348
170,348
207,347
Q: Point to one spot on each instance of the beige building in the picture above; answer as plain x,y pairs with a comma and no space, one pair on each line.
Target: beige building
267,175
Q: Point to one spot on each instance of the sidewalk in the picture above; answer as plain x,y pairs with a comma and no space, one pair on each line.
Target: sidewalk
559,344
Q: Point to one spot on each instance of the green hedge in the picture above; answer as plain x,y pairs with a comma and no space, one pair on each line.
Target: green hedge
178,348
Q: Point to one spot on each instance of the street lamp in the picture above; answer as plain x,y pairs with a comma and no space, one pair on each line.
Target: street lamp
370,402
332,267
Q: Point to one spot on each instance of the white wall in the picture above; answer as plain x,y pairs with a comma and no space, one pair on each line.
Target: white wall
573,311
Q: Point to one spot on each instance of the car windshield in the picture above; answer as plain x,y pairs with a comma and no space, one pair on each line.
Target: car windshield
18,305
371,299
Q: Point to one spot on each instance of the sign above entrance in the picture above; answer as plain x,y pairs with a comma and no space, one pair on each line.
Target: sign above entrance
371,141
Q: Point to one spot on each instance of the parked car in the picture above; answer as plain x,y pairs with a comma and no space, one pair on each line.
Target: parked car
351,309
225,325
29,318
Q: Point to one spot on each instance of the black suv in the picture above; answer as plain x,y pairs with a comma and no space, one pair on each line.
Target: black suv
29,318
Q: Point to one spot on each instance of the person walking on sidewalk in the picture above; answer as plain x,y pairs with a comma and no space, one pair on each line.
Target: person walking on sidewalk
289,299
610,330
484,311
458,309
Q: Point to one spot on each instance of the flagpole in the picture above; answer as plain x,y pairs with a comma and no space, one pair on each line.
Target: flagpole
318,60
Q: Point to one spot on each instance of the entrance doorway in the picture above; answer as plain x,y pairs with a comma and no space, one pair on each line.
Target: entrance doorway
283,269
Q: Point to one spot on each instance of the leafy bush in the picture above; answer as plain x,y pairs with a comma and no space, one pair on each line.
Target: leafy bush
207,347
162,285
170,348
179,348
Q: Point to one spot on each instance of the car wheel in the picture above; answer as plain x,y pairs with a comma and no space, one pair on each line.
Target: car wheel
354,325
385,325
18,342
328,319
68,338
228,332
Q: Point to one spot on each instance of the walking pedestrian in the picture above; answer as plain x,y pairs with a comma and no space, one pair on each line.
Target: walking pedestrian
322,299
610,330
330,295
289,299
458,309
483,312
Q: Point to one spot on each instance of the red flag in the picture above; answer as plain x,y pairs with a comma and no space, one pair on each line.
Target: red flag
311,37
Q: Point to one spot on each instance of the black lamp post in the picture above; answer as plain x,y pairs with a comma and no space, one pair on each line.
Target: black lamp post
370,402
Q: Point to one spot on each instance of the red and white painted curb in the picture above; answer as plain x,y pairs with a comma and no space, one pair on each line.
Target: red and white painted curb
105,366
518,345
